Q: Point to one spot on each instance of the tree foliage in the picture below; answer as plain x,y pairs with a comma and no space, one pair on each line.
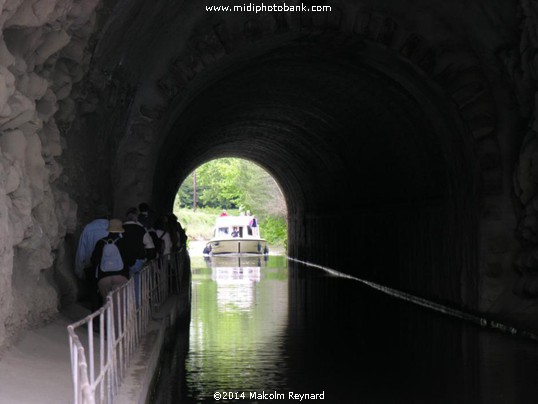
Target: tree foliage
232,183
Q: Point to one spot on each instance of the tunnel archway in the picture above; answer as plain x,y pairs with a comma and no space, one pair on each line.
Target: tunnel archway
353,125
101,100
405,124
231,186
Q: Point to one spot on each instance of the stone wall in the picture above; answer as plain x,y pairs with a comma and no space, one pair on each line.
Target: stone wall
523,67
43,55
49,158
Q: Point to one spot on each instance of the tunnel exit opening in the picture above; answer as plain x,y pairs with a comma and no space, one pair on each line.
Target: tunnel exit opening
232,187
377,168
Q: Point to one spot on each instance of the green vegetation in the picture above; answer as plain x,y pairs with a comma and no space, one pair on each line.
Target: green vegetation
274,230
236,185
198,224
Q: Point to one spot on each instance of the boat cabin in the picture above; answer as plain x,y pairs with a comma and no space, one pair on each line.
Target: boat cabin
236,227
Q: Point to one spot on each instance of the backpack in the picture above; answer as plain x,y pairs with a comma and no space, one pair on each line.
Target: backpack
158,242
111,259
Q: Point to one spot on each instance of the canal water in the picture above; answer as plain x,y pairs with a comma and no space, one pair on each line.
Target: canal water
269,330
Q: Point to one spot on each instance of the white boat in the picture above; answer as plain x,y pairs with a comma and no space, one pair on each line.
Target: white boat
236,260
236,235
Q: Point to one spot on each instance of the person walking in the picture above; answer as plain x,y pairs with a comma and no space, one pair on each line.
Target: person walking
178,239
139,247
146,216
108,258
84,269
178,236
164,242
112,270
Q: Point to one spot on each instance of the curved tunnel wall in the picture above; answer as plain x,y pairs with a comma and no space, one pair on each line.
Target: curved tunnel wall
418,118
376,111
360,100
378,183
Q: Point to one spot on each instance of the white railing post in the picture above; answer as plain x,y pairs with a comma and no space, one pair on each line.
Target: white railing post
121,327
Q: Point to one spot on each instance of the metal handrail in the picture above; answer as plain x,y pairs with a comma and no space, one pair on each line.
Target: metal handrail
121,326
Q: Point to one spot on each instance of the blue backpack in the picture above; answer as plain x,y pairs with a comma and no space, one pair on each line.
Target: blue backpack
111,259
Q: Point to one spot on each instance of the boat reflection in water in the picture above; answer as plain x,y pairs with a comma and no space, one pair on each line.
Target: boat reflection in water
235,276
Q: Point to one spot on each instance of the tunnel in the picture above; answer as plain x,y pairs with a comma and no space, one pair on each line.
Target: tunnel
363,170
401,136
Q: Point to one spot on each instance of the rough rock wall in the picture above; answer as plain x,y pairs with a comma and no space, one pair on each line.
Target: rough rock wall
523,68
43,55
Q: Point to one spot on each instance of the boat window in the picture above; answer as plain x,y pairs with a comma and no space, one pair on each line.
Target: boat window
249,230
222,231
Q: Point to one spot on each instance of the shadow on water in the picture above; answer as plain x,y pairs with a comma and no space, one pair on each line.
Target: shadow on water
279,327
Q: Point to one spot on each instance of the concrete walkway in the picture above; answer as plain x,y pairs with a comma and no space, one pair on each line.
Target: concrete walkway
37,369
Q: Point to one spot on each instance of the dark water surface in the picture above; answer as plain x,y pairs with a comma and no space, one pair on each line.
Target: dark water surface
261,330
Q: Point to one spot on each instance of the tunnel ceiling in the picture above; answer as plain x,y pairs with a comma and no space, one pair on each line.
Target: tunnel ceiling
318,107
418,116
318,121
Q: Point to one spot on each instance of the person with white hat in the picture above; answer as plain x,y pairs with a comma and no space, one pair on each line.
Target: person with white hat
109,259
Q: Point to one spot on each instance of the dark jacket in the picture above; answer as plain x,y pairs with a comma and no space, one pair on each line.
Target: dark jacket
98,252
134,243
